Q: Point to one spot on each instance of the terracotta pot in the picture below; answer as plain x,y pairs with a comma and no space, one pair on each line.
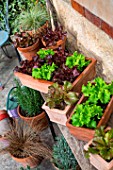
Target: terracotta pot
87,134
30,51
58,116
97,161
34,121
30,161
59,43
42,85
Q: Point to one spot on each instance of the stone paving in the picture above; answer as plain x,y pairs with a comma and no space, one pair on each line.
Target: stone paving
7,79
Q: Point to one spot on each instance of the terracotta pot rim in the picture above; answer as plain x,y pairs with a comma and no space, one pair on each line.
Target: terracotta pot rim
56,110
59,42
30,48
20,158
29,118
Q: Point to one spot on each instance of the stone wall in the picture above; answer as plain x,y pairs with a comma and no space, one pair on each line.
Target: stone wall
87,38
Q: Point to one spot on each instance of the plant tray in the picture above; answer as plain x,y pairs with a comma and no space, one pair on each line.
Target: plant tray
58,116
87,134
97,161
42,85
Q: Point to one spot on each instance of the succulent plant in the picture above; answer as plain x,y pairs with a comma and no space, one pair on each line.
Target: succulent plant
102,144
60,96
28,168
63,157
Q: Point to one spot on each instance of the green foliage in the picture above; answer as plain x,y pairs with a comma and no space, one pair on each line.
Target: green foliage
43,53
32,18
77,60
45,72
63,157
29,100
28,168
102,144
60,96
15,7
86,115
98,92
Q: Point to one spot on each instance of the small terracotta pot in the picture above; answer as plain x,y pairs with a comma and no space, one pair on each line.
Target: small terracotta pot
30,161
58,116
59,43
97,161
30,51
34,121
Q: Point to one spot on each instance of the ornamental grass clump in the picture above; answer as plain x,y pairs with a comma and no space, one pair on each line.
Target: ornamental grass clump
98,95
60,96
24,142
62,156
102,144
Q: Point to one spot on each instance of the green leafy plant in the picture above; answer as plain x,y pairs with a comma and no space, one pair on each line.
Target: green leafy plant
100,91
12,11
43,53
77,60
60,96
63,157
29,100
28,168
102,144
45,72
86,115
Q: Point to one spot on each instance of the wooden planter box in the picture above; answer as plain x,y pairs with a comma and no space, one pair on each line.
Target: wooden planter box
97,161
87,134
42,85
58,116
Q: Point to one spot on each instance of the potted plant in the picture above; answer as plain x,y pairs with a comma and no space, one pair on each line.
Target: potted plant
49,67
53,39
99,150
25,145
59,102
30,102
93,109
62,156
33,23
